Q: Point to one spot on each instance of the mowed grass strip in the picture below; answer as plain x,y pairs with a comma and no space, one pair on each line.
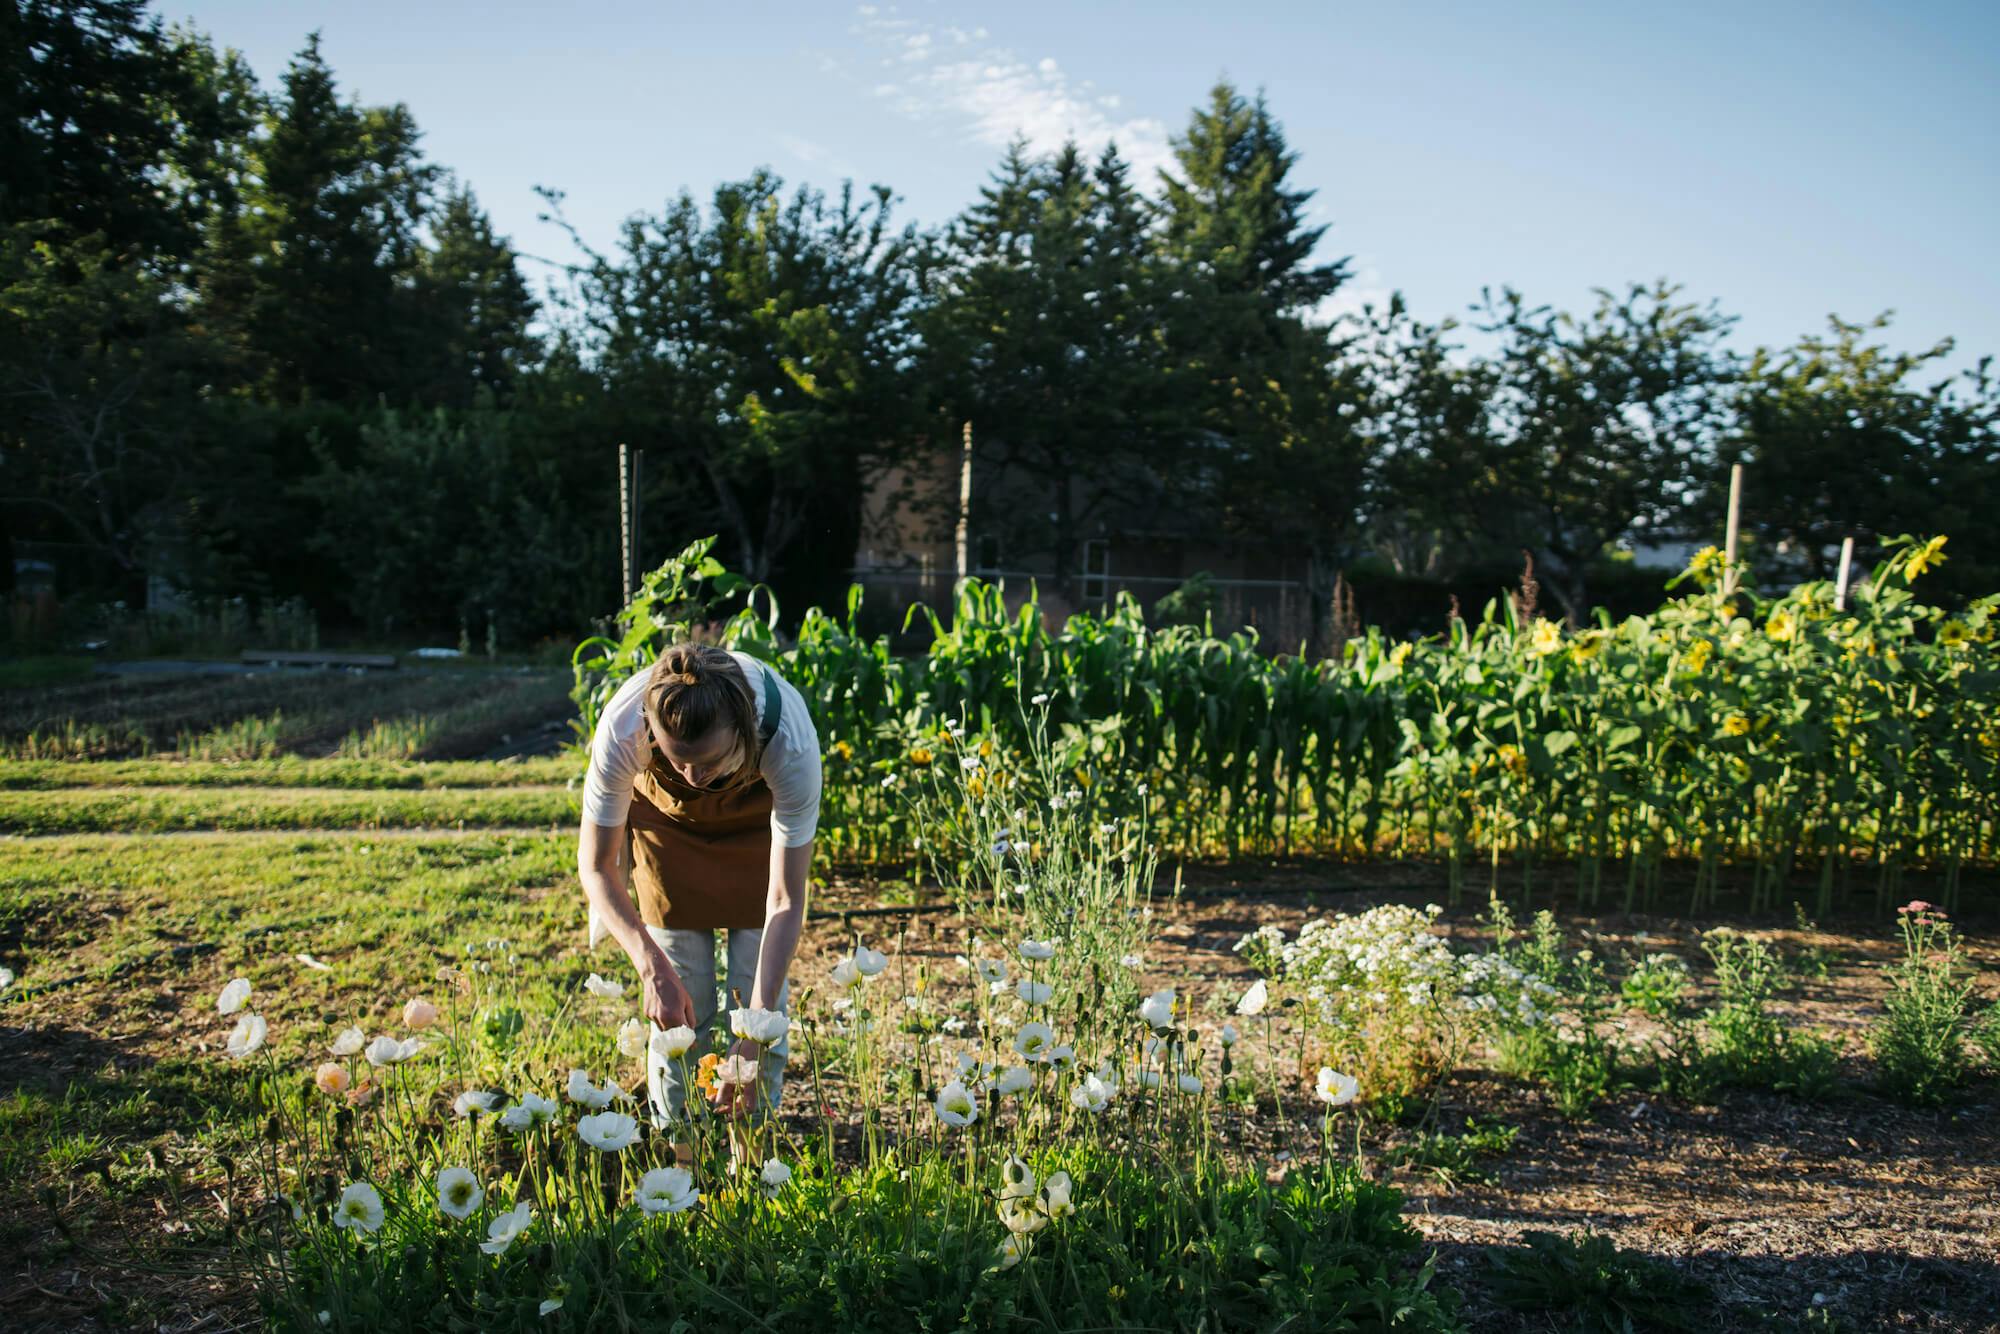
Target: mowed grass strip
291,771
197,911
153,810
111,1050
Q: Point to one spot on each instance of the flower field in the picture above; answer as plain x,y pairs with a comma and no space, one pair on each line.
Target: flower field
319,1043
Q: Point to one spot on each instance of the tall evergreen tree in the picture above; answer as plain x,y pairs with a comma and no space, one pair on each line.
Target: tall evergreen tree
1257,365
334,243
1046,335
1230,215
477,305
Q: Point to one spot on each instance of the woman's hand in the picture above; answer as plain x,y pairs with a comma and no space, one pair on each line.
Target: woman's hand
737,1099
666,1002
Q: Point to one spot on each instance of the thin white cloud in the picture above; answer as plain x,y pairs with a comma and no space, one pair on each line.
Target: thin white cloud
949,76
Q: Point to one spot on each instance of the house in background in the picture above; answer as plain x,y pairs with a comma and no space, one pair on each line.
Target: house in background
957,511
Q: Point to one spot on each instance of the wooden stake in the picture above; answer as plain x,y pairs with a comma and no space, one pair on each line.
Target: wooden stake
1846,561
1729,539
962,535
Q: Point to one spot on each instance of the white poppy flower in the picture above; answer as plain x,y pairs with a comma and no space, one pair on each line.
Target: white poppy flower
6,978
1255,999
1158,1009
956,1105
1334,1088
1010,1251
360,1208
974,1072
599,986
349,1043
500,1233
1015,1079
1022,1217
1190,1083
1055,1199
234,996
762,1027
530,1111
386,1050
1017,1179
247,1036
419,1013
608,1132
991,970
477,1100
673,1043
969,763
869,962
459,1192
550,1305
1034,993
632,1038
1093,1095
1034,1040
666,1190
1228,1035
1061,1056
582,1091
774,1176
1149,1079
846,973
1039,698
1038,950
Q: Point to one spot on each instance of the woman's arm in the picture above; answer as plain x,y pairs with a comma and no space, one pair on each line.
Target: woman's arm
600,865
784,916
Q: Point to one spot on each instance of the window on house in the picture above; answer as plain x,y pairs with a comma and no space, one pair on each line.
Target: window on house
1097,570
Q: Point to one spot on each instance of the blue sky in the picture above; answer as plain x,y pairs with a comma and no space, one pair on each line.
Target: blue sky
1787,159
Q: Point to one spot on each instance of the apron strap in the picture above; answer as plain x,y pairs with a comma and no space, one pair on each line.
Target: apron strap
773,708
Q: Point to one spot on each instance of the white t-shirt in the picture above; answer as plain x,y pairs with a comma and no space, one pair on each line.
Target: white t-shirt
621,750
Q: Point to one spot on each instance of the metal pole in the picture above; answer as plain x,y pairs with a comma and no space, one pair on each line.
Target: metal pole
624,524
634,562
1729,539
1846,561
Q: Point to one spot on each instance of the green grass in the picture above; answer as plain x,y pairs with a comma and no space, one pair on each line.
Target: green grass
291,771
47,669
236,810
95,907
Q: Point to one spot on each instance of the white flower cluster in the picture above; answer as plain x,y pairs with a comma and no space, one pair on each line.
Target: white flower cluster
1349,966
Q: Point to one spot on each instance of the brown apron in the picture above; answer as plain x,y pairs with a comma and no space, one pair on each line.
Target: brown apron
701,857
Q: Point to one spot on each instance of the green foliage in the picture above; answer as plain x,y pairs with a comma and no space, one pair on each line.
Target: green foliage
1586,1279
1698,732
1849,439
1919,1042
1748,1045
1455,1160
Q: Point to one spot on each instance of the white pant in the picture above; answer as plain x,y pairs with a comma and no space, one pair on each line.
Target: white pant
692,953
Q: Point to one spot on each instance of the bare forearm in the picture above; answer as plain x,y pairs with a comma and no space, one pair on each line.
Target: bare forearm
603,877
784,919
